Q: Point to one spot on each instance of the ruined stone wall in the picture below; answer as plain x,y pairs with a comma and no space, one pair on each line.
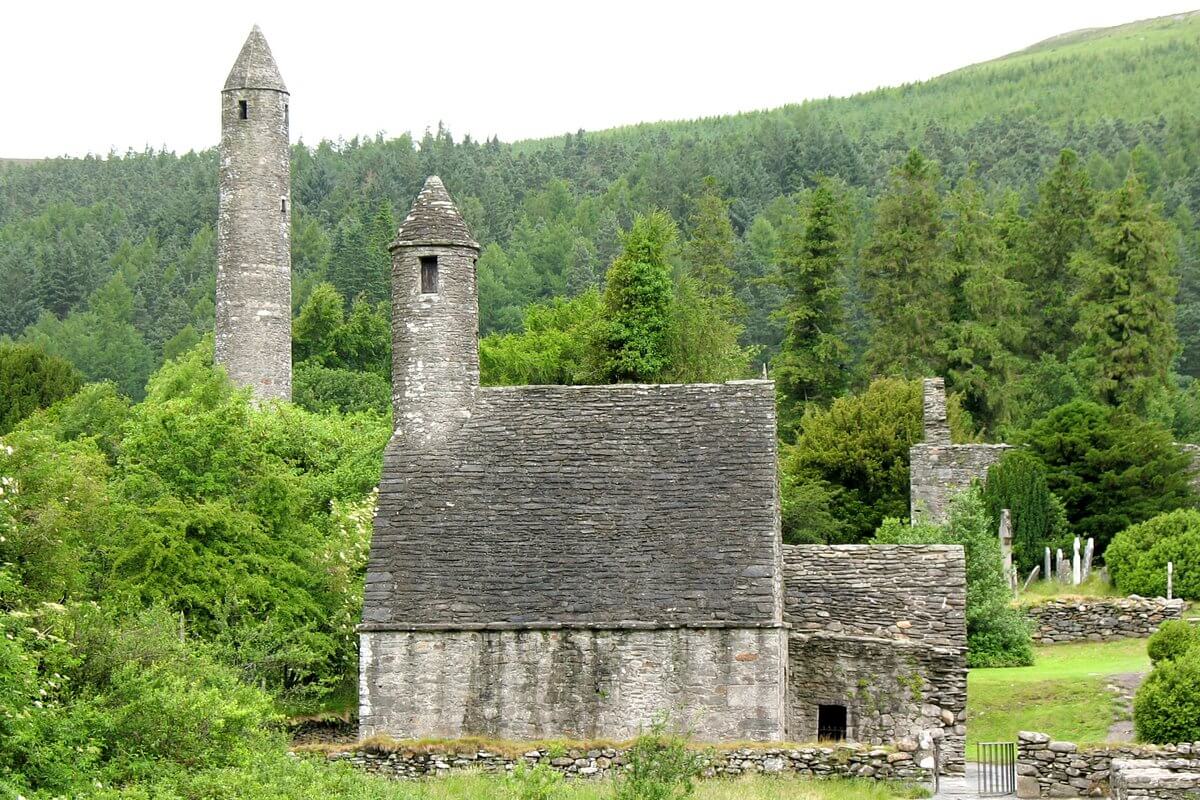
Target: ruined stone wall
938,472
1047,768
254,264
882,631
1134,779
719,683
843,761
1100,618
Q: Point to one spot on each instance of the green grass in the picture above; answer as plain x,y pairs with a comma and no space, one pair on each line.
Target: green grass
1095,586
1063,694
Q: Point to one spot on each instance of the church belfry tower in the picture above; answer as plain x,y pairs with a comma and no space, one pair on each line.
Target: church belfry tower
254,220
435,319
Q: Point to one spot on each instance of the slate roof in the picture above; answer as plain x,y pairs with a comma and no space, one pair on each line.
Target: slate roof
255,67
434,220
592,505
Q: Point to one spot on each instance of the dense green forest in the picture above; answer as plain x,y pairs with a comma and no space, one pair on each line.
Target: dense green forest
176,561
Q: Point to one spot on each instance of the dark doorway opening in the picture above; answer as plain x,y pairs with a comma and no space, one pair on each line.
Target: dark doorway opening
831,722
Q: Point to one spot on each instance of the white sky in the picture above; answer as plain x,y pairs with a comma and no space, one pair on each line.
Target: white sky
92,76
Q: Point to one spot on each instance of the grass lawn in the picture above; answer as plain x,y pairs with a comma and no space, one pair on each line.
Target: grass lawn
1096,585
1063,694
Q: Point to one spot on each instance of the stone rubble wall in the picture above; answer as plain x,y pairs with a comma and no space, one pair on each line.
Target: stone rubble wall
937,472
1047,768
844,761
1175,779
1100,618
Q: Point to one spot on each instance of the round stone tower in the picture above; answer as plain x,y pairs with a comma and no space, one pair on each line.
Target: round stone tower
254,221
435,319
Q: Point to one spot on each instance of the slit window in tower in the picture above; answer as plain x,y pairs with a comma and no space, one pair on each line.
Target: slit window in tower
286,111
831,723
243,110
283,204
429,276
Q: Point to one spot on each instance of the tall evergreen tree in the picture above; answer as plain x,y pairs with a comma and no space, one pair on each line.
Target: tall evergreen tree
581,275
1057,228
1126,301
637,300
811,364
906,274
710,249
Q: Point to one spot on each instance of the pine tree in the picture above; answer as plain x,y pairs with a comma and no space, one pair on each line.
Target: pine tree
581,274
637,300
1057,228
1126,301
381,232
710,250
811,364
906,274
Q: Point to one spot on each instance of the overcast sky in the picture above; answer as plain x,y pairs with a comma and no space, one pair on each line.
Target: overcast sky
94,76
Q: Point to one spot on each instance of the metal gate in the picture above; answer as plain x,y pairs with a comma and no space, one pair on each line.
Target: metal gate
997,765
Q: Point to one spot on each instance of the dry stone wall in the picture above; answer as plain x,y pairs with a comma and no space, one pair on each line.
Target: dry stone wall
845,761
1100,618
880,630
1047,768
1134,779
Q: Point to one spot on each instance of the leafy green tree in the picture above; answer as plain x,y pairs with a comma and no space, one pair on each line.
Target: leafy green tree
812,363
906,273
1057,228
1125,303
859,448
702,342
325,390
1018,482
1109,468
997,633
637,302
314,333
32,379
558,345
1138,556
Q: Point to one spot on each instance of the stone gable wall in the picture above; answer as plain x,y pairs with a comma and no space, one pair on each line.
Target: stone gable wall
937,472
846,761
1100,618
1047,768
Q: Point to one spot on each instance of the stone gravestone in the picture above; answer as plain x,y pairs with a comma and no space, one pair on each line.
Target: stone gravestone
1006,542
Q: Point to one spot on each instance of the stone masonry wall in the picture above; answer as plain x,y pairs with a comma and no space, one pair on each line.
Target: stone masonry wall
1133,779
1048,768
843,761
719,683
938,472
882,631
1098,619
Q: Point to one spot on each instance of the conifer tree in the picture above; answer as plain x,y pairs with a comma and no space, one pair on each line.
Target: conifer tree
710,250
1057,229
637,300
906,275
811,364
1126,301
581,274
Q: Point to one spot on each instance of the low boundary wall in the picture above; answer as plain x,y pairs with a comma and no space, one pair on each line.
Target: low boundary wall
1047,768
1100,618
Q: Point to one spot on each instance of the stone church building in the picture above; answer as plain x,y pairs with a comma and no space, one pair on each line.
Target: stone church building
577,561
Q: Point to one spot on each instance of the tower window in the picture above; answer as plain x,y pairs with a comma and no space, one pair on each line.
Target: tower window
283,204
429,276
831,722
286,111
243,110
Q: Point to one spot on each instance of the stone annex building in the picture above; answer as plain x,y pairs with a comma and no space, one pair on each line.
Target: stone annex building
576,561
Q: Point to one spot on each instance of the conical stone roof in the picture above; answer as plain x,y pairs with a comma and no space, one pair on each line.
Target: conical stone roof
434,220
255,67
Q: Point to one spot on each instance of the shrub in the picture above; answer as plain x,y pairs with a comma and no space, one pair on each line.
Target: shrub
1137,558
1166,708
1109,468
997,634
324,389
32,379
659,766
859,448
1018,482
537,782
1174,638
